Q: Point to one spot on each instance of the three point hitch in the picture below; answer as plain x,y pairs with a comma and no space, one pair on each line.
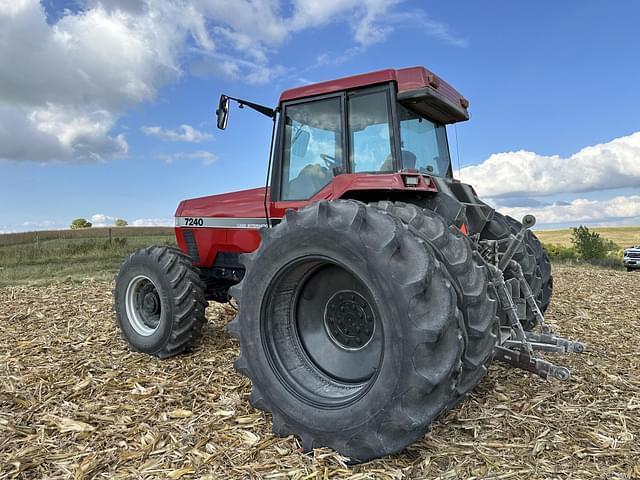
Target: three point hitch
518,347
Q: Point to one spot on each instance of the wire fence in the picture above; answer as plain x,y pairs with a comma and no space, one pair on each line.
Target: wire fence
83,233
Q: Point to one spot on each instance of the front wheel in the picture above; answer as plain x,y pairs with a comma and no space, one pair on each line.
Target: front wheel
159,301
349,330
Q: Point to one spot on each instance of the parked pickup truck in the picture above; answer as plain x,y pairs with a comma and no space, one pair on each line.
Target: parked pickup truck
632,258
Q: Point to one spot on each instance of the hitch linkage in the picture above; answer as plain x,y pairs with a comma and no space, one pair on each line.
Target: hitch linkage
518,347
521,359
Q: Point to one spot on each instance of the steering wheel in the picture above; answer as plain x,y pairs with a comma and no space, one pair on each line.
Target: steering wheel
329,161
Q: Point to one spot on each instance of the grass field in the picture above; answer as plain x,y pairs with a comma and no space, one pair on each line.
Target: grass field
622,236
45,261
39,258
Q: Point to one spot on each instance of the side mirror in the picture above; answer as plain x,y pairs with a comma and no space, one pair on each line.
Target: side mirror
300,143
222,113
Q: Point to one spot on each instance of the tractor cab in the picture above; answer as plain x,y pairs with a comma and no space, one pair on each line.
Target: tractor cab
376,123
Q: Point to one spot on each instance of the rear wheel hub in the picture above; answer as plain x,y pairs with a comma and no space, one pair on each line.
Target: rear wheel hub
348,318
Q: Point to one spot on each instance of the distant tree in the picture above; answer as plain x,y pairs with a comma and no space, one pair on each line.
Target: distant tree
80,223
121,223
590,245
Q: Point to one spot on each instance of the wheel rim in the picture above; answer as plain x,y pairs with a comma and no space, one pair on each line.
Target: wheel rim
322,332
143,305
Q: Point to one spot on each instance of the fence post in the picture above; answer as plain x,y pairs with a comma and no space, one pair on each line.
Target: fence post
109,235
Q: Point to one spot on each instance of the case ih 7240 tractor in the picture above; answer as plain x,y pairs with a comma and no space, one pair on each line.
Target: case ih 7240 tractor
373,289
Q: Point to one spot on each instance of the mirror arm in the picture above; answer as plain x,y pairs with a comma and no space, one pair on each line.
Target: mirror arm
269,112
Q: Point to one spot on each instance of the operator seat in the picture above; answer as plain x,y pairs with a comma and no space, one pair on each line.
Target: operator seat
310,180
409,160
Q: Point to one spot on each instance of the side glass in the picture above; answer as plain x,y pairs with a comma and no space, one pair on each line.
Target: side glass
312,147
370,132
424,143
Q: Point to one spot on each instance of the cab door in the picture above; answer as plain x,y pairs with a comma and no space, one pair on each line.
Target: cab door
309,152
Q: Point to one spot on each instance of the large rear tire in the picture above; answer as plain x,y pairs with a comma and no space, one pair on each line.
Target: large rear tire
349,330
159,301
477,298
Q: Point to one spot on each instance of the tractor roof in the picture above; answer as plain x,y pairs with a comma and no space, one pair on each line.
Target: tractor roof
407,79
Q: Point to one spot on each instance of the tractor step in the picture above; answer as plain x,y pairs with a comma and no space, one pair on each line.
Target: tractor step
518,347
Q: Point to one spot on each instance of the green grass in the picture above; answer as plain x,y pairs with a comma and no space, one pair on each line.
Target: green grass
49,261
622,236
93,232
46,257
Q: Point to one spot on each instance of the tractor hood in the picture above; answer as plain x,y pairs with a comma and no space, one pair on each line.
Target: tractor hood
248,204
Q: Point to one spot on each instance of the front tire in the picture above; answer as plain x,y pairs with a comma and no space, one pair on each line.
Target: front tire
159,301
349,330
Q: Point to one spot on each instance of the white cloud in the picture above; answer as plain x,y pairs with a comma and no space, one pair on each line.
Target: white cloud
184,133
615,164
153,222
40,225
207,158
102,220
64,85
371,21
32,226
617,210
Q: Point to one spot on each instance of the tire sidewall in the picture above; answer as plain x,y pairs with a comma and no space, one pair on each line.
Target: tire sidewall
389,306
149,267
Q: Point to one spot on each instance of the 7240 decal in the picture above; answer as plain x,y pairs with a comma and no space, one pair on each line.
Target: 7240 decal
193,222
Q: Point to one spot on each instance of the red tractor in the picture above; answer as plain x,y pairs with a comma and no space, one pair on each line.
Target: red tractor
373,289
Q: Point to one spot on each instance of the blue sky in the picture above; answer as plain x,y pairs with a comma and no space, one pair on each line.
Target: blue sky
106,108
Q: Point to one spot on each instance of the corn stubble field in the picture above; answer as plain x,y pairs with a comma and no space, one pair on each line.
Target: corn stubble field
74,403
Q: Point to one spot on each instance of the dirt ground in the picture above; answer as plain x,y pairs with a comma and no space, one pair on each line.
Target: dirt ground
74,403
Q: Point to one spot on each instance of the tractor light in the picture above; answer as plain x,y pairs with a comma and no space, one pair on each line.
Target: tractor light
411,181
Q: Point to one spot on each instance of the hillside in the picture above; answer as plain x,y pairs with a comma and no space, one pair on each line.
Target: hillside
622,236
43,257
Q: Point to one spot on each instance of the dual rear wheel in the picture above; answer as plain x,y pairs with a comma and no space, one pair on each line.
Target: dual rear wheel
358,326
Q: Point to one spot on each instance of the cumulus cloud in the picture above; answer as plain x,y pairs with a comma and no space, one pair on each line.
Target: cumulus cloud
371,21
102,220
63,85
614,210
153,222
65,82
32,226
605,166
184,133
207,158
40,225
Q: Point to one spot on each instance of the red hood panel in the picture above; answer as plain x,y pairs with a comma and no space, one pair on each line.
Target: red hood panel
241,204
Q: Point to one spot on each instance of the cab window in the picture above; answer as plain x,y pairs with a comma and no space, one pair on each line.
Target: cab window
312,152
370,132
424,143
